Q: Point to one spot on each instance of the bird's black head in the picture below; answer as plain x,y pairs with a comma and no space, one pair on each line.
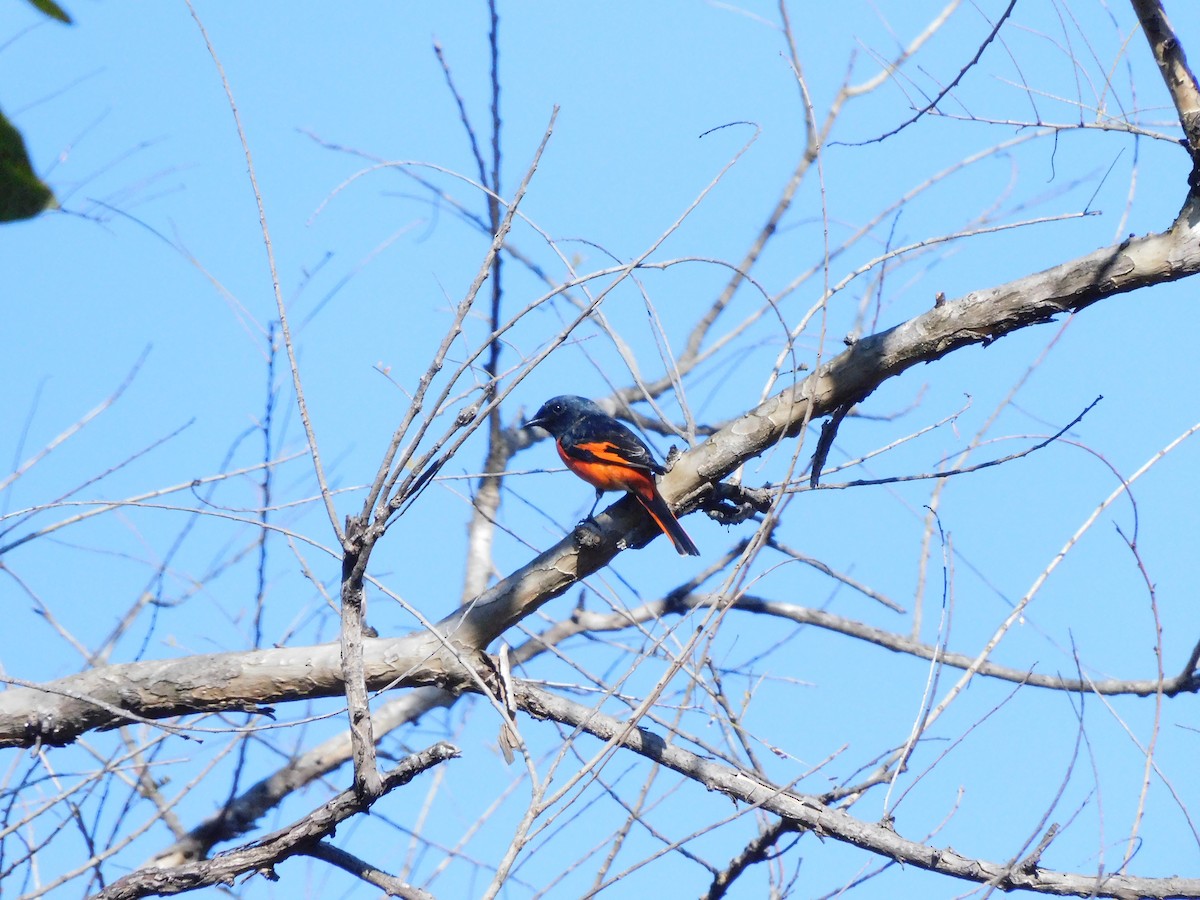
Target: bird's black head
557,413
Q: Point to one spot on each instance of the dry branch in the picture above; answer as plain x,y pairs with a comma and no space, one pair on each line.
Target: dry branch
1176,75
269,851
977,318
348,862
809,813
58,712
240,814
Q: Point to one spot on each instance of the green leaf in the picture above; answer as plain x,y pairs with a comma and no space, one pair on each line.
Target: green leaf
52,9
22,194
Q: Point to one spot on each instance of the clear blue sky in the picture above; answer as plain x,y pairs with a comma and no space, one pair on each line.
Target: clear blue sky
162,252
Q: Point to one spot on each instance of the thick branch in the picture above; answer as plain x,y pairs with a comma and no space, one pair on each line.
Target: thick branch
354,597
59,711
978,318
807,812
1180,81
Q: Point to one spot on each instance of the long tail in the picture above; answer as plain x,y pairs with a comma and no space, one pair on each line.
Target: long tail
662,515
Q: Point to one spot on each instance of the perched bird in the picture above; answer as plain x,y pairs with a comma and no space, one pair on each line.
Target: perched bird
609,457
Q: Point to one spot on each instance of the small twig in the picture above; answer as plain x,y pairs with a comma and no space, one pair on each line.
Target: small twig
462,112
281,306
932,104
392,468
923,719
829,430
1030,862
100,507
348,862
78,425
828,570
1156,728
760,849
961,470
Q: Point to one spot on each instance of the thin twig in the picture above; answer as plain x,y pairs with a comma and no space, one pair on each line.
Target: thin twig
280,305
932,105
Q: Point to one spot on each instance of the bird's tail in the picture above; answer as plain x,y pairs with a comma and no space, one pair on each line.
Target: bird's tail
665,519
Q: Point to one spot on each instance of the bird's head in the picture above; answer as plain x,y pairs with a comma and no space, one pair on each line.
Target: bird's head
557,413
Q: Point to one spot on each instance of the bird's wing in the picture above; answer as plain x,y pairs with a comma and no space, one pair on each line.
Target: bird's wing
610,442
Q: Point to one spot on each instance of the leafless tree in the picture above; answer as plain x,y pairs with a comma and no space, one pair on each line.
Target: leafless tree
621,704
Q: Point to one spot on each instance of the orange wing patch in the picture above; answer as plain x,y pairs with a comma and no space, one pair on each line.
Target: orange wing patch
607,469
603,450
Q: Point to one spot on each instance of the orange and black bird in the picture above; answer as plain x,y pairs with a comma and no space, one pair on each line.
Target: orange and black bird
609,457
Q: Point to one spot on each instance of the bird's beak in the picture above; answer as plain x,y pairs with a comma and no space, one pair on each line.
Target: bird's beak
534,423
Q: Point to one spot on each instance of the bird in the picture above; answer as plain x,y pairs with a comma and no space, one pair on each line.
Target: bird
609,456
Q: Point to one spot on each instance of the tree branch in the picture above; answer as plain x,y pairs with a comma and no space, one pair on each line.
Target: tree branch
348,862
264,854
240,680
977,318
57,712
808,813
1180,81
1186,682
760,849
241,813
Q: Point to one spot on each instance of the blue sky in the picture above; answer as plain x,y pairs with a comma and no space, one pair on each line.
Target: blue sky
161,251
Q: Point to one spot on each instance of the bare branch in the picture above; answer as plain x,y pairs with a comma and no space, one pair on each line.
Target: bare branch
367,782
761,848
78,426
348,862
1178,77
695,675
954,82
55,712
266,853
809,813
280,306
978,318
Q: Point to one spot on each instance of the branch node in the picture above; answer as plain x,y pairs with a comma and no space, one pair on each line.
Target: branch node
1030,863
732,504
587,535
